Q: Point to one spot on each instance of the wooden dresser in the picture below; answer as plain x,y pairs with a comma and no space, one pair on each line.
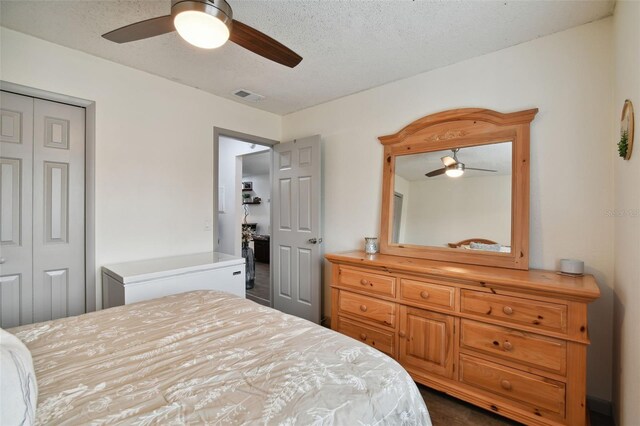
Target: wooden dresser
513,342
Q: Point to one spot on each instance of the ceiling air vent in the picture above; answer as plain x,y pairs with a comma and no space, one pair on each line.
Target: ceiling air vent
247,95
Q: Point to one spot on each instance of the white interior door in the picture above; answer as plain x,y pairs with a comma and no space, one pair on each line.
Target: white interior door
16,171
42,270
296,234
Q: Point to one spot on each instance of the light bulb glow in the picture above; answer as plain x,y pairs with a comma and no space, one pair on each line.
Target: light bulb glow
201,29
454,171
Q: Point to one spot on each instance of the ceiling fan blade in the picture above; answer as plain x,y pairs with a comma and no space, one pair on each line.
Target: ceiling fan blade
480,170
257,42
437,172
143,29
448,161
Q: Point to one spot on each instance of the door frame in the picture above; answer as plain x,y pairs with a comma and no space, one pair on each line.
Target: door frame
89,178
244,137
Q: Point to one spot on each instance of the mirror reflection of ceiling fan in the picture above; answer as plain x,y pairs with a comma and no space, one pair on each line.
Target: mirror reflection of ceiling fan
207,24
453,167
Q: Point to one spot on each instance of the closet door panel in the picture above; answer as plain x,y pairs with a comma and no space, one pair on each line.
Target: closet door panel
58,256
16,171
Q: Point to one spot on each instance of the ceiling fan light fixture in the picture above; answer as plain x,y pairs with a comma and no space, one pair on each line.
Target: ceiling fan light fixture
202,24
455,170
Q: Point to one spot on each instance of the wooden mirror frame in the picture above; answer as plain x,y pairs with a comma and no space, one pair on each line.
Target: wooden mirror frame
463,128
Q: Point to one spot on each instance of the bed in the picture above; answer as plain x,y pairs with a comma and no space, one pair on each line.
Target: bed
211,357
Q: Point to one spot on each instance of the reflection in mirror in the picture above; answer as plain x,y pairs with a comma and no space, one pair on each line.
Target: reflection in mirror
458,198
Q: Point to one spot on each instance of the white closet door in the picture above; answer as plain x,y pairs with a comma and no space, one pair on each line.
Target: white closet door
16,154
58,206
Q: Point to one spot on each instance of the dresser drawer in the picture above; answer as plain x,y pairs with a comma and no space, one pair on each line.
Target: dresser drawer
367,281
427,294
382,340
536,393
529,349
542,315
368,308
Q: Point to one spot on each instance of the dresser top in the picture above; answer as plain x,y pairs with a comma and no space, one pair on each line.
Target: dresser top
533,281
141,270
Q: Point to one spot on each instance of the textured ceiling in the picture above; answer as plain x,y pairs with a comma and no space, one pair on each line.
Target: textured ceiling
347,46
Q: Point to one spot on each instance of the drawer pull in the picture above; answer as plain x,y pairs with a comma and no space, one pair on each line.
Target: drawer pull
402,334
364,282
424,294
363,336
506,385
507,346
507,310
363,308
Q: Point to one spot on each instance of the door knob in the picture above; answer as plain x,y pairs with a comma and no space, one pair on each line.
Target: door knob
2,260
314,240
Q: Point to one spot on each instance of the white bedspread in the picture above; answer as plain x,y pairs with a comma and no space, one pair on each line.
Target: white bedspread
210,357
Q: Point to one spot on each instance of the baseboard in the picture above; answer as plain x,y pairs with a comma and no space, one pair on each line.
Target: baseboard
600,405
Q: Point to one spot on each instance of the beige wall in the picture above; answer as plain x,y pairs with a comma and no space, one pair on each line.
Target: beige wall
154,146
448,210
568,75
626,215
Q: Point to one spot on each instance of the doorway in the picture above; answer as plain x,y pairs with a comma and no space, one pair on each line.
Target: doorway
243,180
398,199
256,222
295,234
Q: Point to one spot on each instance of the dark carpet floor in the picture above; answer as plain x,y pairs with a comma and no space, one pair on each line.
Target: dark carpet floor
448,411
261,293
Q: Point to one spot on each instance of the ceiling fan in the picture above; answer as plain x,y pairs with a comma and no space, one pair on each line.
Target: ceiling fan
207,24
453,167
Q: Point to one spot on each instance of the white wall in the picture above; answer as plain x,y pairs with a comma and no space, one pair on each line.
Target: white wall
568,76
626,216
260,213
447,210
154,146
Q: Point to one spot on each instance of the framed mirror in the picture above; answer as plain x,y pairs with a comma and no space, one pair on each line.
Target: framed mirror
456,188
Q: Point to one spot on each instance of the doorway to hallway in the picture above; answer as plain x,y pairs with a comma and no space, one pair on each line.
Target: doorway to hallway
244,210
256,223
